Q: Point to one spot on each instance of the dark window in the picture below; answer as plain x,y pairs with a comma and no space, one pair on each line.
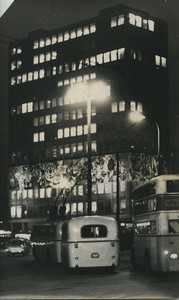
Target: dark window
94,231
173,226
172,186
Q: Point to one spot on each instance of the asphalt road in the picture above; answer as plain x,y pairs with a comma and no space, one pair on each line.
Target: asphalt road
23,278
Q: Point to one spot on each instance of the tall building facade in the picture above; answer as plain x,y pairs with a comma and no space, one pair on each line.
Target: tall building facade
83,91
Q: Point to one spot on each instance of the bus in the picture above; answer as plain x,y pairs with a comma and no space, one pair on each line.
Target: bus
46,241
90,241
156,224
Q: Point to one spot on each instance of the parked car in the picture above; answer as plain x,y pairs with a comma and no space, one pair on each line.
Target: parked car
18,246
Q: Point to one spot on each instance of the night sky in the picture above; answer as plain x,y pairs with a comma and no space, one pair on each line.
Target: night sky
24,16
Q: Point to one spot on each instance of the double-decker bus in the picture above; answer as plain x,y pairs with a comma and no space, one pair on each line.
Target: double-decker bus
156,224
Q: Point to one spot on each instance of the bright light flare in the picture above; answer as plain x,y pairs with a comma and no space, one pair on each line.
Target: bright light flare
84,91
136,116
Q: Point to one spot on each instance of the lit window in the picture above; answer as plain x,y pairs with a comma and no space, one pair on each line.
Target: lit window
19,50
120,19
93,128
24,108
48,192
86,30
60,150
151,25
106,57
36,75
113,55
164,61
41,120
36,123
93,146
92,75
54,102
114,22
47,56
79,114
66,132
114,107
73,66
92,27
66,115
48,103
42,73
19,79
66,35
42,43
73,34
13,51
41,104
73,131
73,148
60,133
80,147
19,211
66,81
30,107
60,37
67,68
80,64
85,129
54,70
13,80
79,79
47,119
132,19
60,101
42,58
35,138
47,41
54,151
41,136
92,61
54,39
79,31
79,130
36,44
72,80
121,105
139,107
99,58
42,193
133,105
29,193
54,55
13,65
145,24
86,77
24,77
66,100
60,83
157,60
121,53
138,21
73,115
67,149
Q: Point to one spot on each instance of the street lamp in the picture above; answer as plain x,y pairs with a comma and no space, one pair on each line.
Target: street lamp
88,91
136,117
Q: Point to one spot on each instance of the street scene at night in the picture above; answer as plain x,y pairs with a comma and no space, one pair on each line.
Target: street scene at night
89,156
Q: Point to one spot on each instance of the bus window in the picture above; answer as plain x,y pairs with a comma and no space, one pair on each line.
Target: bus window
94,231
173,226
172,186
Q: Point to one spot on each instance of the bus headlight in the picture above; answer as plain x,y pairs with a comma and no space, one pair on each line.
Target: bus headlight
173,256
166,252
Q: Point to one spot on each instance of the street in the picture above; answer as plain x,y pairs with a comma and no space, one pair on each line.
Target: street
23,278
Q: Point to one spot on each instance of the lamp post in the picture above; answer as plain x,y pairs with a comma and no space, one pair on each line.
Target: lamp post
89,155
88,91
